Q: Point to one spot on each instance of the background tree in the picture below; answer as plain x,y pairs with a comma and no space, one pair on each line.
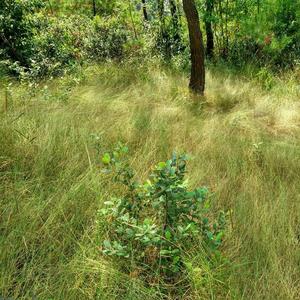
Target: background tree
209,7
164,38
145,10
197,80
175,20
94,8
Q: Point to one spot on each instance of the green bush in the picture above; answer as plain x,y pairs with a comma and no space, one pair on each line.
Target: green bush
16,29
285,48
153,224
108,39
35,45
59,42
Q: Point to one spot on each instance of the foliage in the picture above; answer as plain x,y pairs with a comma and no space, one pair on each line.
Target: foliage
107,39
40,39
155,222
58,43
286,30
262,32
16,25
35,44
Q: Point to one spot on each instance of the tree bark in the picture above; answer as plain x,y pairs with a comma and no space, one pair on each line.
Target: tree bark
145,10
208,27
175,19
94,8
197,80
161,8
165,39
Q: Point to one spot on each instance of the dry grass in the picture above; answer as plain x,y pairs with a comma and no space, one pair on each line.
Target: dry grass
245,146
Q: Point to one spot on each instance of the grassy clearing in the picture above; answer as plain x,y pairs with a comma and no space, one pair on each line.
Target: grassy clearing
245,146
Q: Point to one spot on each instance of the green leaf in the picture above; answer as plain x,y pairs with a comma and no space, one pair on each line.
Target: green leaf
161,165
168,235
164,252
106,159
209,235
107,244
125,149
219,236
147,221
176,259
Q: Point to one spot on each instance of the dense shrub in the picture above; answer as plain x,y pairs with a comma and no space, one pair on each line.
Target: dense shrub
16,29
108,39
35,45
266,33
59,42
285,48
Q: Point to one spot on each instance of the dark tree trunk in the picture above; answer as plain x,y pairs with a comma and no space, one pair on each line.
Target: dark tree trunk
208,28
161,8
165,39
197,80
175,20
145,10
94,8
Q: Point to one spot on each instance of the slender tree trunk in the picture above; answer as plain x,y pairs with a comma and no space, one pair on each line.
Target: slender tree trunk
94,8
221,28
209,30
175,19
145,10
165,39
197,80
161,8
132,20
226,30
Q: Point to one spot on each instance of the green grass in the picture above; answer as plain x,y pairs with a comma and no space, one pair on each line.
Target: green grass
245,146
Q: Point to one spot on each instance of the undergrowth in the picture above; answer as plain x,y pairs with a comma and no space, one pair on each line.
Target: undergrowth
154,223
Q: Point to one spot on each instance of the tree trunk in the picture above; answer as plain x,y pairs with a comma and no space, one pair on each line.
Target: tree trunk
197,80
94,8
145,10
165,39
208,28
175,20
132,20
161,8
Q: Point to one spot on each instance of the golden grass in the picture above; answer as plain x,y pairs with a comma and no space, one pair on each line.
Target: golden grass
244,145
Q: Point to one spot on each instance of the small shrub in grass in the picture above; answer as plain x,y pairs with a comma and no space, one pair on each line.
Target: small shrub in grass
152,224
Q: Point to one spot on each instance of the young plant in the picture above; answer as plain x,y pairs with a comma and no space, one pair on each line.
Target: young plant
153,223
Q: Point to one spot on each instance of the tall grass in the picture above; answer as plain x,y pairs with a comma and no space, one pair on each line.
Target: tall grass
245,146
